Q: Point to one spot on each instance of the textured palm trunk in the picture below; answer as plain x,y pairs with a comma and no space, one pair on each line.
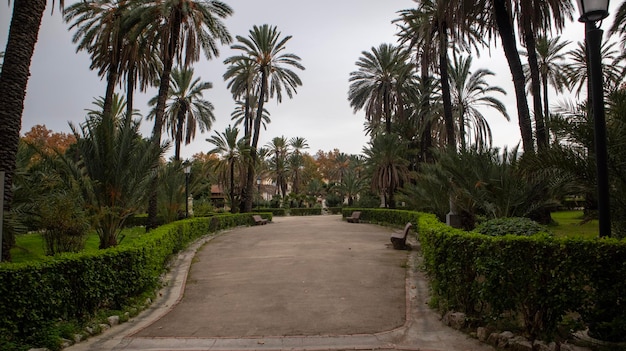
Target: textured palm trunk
535,87
509,44
23,34
168,61
445,88
546,107
130,90
387,108
253,151
426,136
180,123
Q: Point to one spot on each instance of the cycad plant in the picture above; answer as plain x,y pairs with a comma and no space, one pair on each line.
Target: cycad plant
113,168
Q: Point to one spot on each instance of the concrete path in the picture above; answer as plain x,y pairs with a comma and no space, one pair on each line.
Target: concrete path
299,283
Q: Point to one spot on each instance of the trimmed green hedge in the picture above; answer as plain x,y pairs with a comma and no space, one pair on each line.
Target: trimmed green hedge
385,216
75,286
274,211
334,210
313,211
538,279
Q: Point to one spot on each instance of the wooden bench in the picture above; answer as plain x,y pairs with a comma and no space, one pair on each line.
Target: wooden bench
354,217
399,239
258,220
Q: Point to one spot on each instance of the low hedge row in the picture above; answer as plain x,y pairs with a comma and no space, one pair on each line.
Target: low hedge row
334,210
74,286
313,211
539,279
273,211
385,216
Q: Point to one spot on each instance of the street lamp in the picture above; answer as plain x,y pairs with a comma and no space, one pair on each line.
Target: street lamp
187,170
258,186
592,11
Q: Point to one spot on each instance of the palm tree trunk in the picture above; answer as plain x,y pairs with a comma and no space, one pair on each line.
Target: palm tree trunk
23,34
108,95
168,62
233,208
546,108
255,140
445,88
180,123
509,44
130,90
535,87
387,111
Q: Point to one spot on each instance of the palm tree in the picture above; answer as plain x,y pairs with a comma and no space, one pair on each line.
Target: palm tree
101,32
263,49
378,83
232,150
114,169
278,163
500,21
576,68
186,109
539,16
384,158
239,116
23,34
470,92
296,161
180,29
551,70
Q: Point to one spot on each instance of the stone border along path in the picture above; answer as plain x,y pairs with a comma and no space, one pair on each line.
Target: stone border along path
280,287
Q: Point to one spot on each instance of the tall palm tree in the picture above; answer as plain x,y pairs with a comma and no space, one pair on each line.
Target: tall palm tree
500,21
264,50
181,29
239,116
538,17
101,32
470,92
278,150
296,161
23,35
242,79
186,109
378,83
551,70
231,150
576,68
384,158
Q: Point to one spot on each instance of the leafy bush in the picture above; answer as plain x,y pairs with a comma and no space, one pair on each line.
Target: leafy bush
75,286
334,210
315,211
333,200
535,279
64,222
274,211
512,225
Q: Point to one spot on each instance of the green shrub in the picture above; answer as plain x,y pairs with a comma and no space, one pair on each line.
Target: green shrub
314,211
536,279
334,210
75,286
333,200
64,224
273,211
512,225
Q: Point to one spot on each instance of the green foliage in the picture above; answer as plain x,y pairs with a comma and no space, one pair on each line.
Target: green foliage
314,211
385,216
511,225
537,279
64,222
75,286
334,210
273,211
333,200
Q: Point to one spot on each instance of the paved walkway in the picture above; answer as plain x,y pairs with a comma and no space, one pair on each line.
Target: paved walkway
299,283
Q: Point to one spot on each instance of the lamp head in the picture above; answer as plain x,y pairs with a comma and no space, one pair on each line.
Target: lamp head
593,10
187,169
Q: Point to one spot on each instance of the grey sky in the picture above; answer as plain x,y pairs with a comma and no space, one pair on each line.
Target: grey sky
329,36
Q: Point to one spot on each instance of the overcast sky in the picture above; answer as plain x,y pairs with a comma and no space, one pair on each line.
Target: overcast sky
329,36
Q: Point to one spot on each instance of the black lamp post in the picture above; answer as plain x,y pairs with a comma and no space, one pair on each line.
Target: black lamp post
592,11
187,170
258,185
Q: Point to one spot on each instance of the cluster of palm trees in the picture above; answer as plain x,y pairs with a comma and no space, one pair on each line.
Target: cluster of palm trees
422,97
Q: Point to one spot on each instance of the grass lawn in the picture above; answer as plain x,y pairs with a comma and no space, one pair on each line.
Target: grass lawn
570,224
29,247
